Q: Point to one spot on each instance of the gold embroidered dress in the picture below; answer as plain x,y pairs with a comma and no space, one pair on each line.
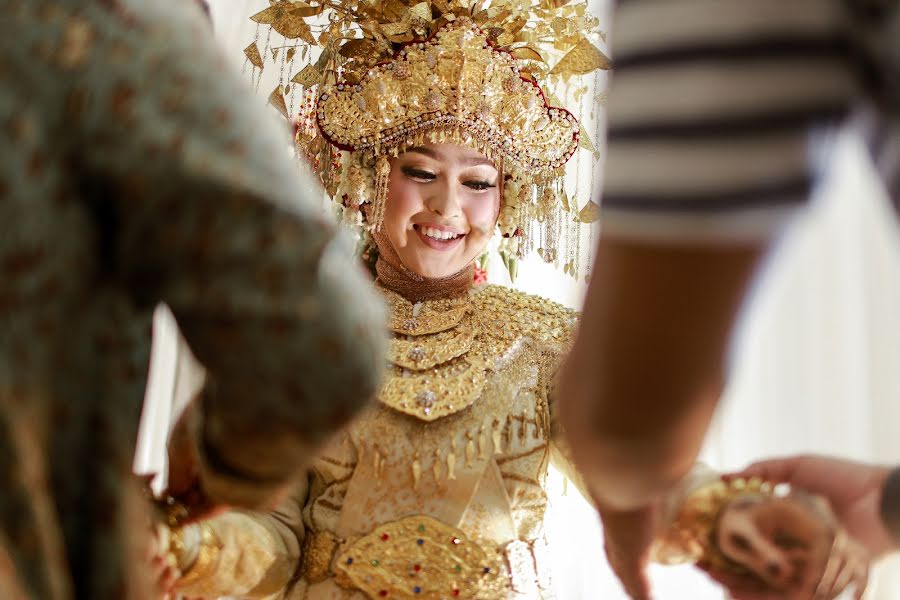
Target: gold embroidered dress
438,491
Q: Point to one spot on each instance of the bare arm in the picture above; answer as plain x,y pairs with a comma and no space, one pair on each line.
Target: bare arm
645,375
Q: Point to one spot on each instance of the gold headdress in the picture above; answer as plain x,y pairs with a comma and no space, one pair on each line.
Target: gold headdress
394,74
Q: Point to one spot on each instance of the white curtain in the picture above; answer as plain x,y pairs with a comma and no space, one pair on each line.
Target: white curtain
814,365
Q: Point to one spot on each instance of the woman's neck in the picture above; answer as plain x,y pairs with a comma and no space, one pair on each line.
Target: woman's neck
393,275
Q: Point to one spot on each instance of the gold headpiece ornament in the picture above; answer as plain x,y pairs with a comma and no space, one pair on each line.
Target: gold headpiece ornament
692,535
395,74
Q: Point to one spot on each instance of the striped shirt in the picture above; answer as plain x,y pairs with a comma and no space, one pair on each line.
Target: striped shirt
716,106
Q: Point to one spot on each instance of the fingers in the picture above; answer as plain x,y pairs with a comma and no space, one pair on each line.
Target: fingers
630,574
862,582
848,565
778,470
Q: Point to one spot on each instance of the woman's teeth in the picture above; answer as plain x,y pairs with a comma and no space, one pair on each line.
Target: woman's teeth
437,234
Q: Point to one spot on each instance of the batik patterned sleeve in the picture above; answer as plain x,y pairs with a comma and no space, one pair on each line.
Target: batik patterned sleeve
210,214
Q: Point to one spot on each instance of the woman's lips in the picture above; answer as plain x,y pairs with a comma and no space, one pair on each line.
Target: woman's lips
436,244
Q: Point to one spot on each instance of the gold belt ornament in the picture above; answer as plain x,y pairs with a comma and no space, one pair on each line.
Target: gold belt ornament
415,558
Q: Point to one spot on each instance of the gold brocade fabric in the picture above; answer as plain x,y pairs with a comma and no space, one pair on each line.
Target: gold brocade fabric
438,490
458,446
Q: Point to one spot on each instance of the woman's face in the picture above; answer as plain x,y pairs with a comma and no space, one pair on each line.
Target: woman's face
784,541
442,206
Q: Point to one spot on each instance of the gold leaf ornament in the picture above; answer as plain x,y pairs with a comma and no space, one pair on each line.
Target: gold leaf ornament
584,140
398,32
420,14
584,58
358,48
253,55
526,53
590,213
308,76
306,10
287,20
276,99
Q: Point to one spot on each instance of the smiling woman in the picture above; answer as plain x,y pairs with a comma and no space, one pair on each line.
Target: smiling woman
442,208
440,491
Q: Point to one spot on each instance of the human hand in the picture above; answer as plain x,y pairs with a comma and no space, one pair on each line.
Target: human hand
628,536
847,564
852,489
789,548
185,489
163,574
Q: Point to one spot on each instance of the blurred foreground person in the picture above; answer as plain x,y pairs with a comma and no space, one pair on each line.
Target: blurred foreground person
712,112
136,170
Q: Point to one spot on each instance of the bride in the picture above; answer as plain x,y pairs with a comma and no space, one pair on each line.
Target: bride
438,491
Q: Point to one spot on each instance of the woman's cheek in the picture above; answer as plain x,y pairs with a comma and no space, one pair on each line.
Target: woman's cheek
483,215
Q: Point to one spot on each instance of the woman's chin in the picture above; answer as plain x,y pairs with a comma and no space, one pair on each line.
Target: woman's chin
436,271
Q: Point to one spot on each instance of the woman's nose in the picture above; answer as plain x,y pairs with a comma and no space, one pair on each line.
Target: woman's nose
444,201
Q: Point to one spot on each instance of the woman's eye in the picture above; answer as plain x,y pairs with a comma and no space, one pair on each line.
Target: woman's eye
419,174
479,185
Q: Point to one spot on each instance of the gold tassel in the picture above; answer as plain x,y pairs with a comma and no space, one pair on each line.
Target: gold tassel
470,450
437,464
382,176
417,471
379,463
360,450
482,443
451,461
497,437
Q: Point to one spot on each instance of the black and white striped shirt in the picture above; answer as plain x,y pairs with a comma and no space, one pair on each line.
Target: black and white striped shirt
714,104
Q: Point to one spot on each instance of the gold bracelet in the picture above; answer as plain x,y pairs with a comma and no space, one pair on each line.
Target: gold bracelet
692,535
207,558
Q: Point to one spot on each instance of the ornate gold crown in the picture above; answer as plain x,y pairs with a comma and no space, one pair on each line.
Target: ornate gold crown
394,74
455,82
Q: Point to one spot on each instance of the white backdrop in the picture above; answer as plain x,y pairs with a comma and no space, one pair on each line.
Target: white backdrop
815,367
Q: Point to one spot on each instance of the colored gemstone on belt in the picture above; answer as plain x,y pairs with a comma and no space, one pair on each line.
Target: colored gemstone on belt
421,529
455,541
417,590
457,568
420,542
383,593
375,562
486,570
385,537
456,592
350,561
417,568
